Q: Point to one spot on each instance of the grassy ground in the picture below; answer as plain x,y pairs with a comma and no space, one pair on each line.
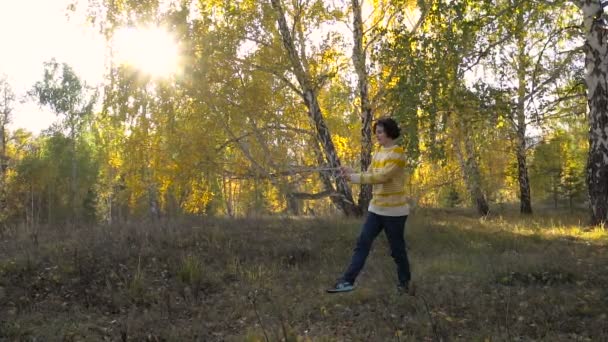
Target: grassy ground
495,279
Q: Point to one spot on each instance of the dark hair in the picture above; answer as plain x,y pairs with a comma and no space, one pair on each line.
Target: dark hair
391,129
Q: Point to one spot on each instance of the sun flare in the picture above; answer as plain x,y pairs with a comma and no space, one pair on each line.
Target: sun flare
152,50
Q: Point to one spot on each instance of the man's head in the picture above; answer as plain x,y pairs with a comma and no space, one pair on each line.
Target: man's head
386,128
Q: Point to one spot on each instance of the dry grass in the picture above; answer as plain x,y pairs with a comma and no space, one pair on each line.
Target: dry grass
500,278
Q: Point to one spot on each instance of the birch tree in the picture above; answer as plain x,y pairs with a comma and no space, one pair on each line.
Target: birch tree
596,79
7,102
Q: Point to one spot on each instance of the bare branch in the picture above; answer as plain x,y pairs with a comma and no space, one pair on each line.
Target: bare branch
537,65
283,127
256,40
274,72
318,195
233,140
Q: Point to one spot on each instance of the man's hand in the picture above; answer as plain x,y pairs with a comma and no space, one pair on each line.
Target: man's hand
346,171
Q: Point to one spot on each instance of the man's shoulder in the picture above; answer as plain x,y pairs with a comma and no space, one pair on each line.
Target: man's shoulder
396,152
399,149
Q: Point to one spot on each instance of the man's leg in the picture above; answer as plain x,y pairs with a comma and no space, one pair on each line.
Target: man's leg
394,228
371,229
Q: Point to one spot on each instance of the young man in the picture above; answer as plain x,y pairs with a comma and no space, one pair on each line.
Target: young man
388,209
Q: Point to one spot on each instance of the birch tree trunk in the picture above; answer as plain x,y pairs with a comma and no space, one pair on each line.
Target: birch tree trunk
520,120
343,199
7,97
596,65
359,61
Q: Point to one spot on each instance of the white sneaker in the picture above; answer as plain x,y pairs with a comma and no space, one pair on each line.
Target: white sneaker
602,22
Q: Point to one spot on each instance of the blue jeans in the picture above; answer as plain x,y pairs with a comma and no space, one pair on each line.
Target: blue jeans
394,228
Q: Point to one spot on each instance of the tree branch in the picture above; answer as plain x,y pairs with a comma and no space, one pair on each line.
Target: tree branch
273,72
315,196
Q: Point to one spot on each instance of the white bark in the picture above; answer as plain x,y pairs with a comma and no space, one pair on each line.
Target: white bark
596,64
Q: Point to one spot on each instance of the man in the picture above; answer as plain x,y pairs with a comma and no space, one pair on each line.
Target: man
388,209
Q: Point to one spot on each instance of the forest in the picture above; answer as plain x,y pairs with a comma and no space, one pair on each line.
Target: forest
270,98
221,171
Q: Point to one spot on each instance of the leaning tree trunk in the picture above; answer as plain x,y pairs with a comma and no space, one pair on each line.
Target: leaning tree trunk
520,122
596,64
359,61
343,199
470,171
